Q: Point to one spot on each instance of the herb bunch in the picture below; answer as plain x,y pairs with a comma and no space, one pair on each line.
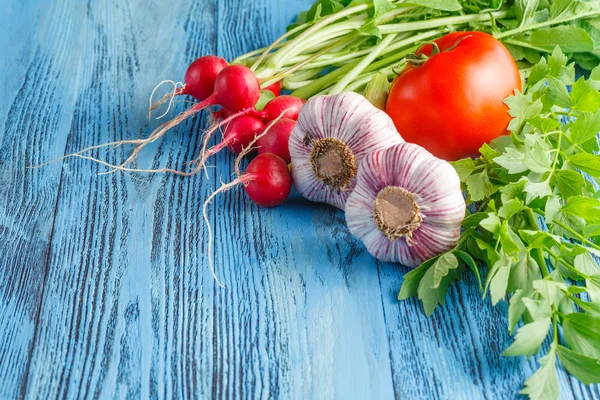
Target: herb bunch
530,180
340,45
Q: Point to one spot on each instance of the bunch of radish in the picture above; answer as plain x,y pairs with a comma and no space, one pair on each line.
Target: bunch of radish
236,90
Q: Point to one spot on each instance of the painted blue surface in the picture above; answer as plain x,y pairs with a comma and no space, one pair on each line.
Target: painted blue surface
104,285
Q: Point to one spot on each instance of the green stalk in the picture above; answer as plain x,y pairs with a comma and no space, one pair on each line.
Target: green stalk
526,45
439,22
544,24
537,253
275,43
285,51
364,79
321,40
576,234
337,58
296,85
323,82
293,69
353,73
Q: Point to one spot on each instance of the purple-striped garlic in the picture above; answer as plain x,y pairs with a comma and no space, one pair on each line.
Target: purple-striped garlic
407,206
332,136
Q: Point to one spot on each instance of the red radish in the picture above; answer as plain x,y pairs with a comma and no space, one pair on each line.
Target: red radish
282,106
236,89
272,109
275,88
238,133
276,140
199,80
201,75
267,181
290,104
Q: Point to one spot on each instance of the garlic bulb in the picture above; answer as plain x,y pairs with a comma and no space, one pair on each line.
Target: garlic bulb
407,206
332,136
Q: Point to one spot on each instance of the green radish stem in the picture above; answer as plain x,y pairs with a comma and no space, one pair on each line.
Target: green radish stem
554,21
323,82
293,69
281,38
437,23
341,85
285,52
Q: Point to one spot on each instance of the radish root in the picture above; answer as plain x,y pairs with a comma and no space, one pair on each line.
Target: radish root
246,150
224,187
80,152
177,90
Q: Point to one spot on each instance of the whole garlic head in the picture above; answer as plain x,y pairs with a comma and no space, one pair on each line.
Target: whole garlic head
332,136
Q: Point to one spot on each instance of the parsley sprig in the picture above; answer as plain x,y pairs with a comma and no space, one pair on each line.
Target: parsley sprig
535,226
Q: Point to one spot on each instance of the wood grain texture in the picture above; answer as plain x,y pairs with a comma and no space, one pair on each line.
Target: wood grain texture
104,285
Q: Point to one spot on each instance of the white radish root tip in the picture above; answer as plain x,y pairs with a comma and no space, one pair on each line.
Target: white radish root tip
224,187
250,147
177,87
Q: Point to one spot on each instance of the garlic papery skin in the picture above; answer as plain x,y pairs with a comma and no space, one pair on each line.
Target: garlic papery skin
407,206
332,136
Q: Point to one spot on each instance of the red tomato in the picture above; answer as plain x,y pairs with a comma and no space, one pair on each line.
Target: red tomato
453,103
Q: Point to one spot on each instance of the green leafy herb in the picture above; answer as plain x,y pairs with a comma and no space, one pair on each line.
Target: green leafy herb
534,176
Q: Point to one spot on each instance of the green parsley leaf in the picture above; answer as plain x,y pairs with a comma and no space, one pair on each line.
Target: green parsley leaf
529,339
585,96
432,296
583,207
540,239
510,208
412,279
464,168
537,190
538,72
588,163
585,128
522,107
468,260
582,333
524,272
479,186
557,93
443,5
499,283
591,230
538,309
513,160
492,223
516,309
441,268
570,183
543,385
571,39
582,367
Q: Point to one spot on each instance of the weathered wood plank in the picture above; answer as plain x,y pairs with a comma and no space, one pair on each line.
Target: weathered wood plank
298,319
123,297
129,308
38,82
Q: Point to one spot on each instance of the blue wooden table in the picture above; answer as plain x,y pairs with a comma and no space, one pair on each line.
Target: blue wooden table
104,285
